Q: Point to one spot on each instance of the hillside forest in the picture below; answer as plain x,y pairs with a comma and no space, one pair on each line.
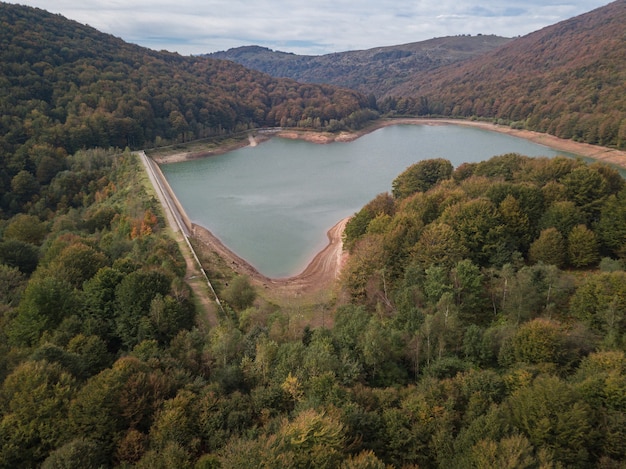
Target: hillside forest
479,322
373,71
567,79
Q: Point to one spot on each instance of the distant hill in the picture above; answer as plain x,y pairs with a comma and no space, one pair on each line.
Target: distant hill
568,79
374,71
70,86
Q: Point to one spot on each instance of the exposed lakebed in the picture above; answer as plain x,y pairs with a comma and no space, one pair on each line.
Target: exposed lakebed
273,203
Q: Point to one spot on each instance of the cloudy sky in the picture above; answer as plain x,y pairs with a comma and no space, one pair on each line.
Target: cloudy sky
308,27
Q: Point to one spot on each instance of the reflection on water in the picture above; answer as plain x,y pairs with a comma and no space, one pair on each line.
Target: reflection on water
273,203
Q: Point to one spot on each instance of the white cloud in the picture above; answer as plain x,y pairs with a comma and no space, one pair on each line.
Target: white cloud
324,26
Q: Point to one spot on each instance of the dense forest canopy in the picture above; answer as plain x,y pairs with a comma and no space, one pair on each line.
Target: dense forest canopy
480,320
568,80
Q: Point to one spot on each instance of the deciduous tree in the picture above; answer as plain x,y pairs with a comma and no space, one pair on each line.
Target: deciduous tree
549,248
420,177
582,247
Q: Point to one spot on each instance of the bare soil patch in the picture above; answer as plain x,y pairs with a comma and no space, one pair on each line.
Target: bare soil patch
316,280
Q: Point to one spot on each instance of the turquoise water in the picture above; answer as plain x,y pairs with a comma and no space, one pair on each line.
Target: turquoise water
272,204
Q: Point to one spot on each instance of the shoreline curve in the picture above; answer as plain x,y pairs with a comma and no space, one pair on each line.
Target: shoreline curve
326,265
319,274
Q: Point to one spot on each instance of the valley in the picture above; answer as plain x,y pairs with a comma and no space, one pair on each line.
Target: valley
467,307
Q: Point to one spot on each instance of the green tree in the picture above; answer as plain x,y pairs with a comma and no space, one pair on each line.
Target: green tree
479,227
133,298
562,215
467,282
34,420
381,349
177,423
587,188
15,253
582,247
169,316
504,166
517,228
357,226
600,302
551,415
350,322
26,228
436,283
12,285
611,227
539,341
364,460
80,452
365,261
601,381
24,186
77,263
92,353
99,305
534,290
125,395
240,293
549,248
513,452
311,439
438,245
45,303
420,177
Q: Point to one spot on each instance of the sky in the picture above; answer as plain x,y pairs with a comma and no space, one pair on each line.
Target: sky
312,27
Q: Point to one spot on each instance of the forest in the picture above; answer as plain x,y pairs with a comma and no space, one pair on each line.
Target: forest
567,80
479,322
372,71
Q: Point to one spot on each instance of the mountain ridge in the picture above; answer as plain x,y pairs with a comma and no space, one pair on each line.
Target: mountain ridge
375,70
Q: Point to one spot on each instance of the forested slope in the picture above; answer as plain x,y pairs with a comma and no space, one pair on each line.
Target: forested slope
65,86
482,322
372,71
568,80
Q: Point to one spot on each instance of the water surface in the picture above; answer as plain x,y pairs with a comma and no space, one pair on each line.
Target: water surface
272,204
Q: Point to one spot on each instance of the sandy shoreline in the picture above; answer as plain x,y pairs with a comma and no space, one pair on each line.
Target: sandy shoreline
322,271
318,275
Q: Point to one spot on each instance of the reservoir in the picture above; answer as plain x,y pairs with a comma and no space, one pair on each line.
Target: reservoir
273,203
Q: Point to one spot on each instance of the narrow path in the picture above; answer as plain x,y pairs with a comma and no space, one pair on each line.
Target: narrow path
194,274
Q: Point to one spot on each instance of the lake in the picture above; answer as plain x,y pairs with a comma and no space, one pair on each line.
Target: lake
273,203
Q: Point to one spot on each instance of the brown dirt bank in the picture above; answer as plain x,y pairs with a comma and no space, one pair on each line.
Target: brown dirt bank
199,152
318,276
608,155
